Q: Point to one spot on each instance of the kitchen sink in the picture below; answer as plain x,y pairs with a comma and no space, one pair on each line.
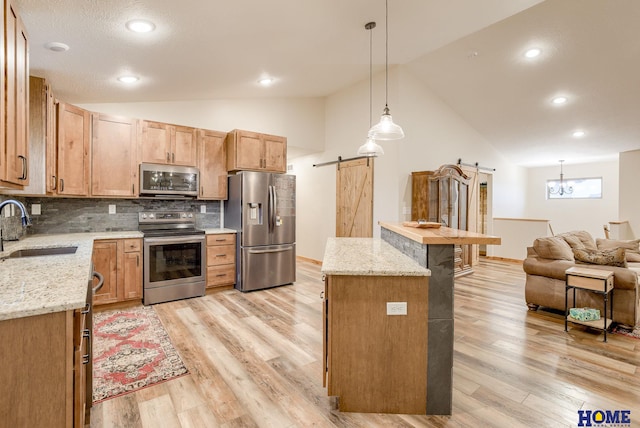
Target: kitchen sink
34,252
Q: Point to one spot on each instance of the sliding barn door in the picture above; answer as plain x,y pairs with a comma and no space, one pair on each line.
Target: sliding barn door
354,198
474,217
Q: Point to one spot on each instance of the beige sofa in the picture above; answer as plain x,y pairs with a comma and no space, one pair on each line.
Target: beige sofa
549,258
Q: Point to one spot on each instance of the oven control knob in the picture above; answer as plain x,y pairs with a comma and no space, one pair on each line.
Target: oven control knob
190,215
151,215
144,216
183,215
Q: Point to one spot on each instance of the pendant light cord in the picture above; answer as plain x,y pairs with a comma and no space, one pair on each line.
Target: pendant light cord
386,58
370,72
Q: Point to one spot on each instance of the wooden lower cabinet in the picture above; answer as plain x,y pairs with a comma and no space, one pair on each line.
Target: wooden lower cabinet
375,362
120,263
221,260
43,381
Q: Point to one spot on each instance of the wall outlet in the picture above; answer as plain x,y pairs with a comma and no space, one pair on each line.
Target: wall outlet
203,209
112,209
396,308
36,209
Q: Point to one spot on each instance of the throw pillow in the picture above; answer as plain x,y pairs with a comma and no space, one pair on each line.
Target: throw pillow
614,257
631,246
584,237
553,248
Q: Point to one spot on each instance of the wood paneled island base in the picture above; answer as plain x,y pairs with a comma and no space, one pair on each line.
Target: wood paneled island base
375,328
434,249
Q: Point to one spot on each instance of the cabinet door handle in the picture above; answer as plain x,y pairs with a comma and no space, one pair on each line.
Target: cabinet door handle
137,260
220,275
86,358
62,184
55,182
133,189
24,168
168,158
173,158
221,255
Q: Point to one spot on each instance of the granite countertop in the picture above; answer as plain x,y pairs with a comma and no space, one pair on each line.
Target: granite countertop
441,235
367,256
45,284
218,230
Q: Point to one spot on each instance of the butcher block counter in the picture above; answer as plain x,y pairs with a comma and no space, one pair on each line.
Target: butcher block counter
440,235
433,248
375,327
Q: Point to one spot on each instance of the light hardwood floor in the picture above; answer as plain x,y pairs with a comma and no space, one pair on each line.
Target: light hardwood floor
254,360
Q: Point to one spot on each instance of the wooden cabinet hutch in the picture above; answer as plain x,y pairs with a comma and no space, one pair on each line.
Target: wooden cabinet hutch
442,196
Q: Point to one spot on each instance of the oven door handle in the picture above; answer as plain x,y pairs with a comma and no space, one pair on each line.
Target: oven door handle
174,239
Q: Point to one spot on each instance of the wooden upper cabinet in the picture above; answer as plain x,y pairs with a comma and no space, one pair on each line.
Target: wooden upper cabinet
275,153
114,160
256,152
167,144
183,146
155,142
212,164
51,142
73,150
15,101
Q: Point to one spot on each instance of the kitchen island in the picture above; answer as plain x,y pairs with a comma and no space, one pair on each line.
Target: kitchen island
375,327
433,248
45,326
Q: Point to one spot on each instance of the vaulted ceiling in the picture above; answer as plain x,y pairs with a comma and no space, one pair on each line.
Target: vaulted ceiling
468,52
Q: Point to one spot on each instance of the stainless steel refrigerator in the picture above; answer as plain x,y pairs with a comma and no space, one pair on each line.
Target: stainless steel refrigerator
262,208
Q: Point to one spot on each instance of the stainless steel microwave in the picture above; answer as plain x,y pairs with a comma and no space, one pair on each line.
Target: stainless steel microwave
170,180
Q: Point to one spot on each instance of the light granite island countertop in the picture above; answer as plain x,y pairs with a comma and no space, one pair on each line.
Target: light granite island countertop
367,256
45,284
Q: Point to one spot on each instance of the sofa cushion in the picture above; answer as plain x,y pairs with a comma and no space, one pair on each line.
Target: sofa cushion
553,248
579,239
631,246
615,257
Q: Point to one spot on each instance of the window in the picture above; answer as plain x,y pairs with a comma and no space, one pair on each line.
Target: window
575,188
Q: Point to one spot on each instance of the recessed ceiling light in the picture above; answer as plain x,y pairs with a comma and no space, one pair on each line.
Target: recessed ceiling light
57,47
579,133
560,100
140,26
533,52
266,81
128,79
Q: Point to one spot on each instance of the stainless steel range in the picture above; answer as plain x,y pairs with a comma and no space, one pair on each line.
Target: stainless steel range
174,256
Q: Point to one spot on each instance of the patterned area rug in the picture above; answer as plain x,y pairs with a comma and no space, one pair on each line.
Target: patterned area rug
628,331
131,350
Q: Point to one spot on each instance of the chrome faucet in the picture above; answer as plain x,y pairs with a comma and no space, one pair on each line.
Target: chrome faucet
26,221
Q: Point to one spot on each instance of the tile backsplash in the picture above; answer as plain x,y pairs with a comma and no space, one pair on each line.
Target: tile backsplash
71,215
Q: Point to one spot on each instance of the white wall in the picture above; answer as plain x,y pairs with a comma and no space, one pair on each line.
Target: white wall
574,214
629,203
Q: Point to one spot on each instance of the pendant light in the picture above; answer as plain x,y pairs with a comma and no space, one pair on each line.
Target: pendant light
370,147
386,129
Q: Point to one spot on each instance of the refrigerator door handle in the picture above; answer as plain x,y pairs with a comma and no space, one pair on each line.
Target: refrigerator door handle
275,205
278,250
272,208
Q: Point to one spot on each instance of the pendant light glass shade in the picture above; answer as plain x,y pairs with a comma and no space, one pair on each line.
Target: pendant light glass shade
386,129
370,148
